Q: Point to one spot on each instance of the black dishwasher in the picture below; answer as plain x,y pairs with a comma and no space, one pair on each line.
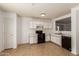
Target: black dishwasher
66,42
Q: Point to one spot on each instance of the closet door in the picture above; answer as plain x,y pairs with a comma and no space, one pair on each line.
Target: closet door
10,31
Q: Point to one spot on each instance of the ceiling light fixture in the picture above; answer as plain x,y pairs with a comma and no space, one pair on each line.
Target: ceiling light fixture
43,14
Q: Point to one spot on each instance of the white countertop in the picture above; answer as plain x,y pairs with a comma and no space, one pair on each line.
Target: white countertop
62,33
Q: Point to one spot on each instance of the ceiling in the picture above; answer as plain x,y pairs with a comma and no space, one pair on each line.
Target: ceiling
52,10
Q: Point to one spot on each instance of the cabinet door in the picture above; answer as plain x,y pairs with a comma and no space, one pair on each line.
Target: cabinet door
47,38
52,38
56,40
66,43
33,40
32,25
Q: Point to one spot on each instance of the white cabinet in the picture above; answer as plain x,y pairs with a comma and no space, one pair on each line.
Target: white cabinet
56,39
33,39
32,25
52,38
47,37
45,25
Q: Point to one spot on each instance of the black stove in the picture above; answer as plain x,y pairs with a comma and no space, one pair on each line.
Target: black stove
40,36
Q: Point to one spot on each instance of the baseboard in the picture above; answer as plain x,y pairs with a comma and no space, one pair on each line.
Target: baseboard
22,44
47,41
76,54
55,43
33,43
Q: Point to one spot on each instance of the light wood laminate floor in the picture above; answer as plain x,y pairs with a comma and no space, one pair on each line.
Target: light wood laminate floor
44,49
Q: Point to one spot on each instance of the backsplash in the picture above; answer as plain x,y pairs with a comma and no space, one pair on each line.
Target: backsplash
66,33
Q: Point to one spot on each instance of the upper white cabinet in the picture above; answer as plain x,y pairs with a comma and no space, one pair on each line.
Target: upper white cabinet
47,25
34,24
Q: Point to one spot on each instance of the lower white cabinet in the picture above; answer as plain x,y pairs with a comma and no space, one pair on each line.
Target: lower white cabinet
52,38
33,39
56,39
47,37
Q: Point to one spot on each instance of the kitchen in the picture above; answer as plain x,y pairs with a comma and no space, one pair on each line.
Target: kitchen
56,35
61,30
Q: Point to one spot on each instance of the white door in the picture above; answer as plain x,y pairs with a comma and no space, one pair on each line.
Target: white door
10,32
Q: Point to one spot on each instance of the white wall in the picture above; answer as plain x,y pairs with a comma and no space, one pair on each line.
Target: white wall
19,30
1,32
75,30
77,33
25,29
